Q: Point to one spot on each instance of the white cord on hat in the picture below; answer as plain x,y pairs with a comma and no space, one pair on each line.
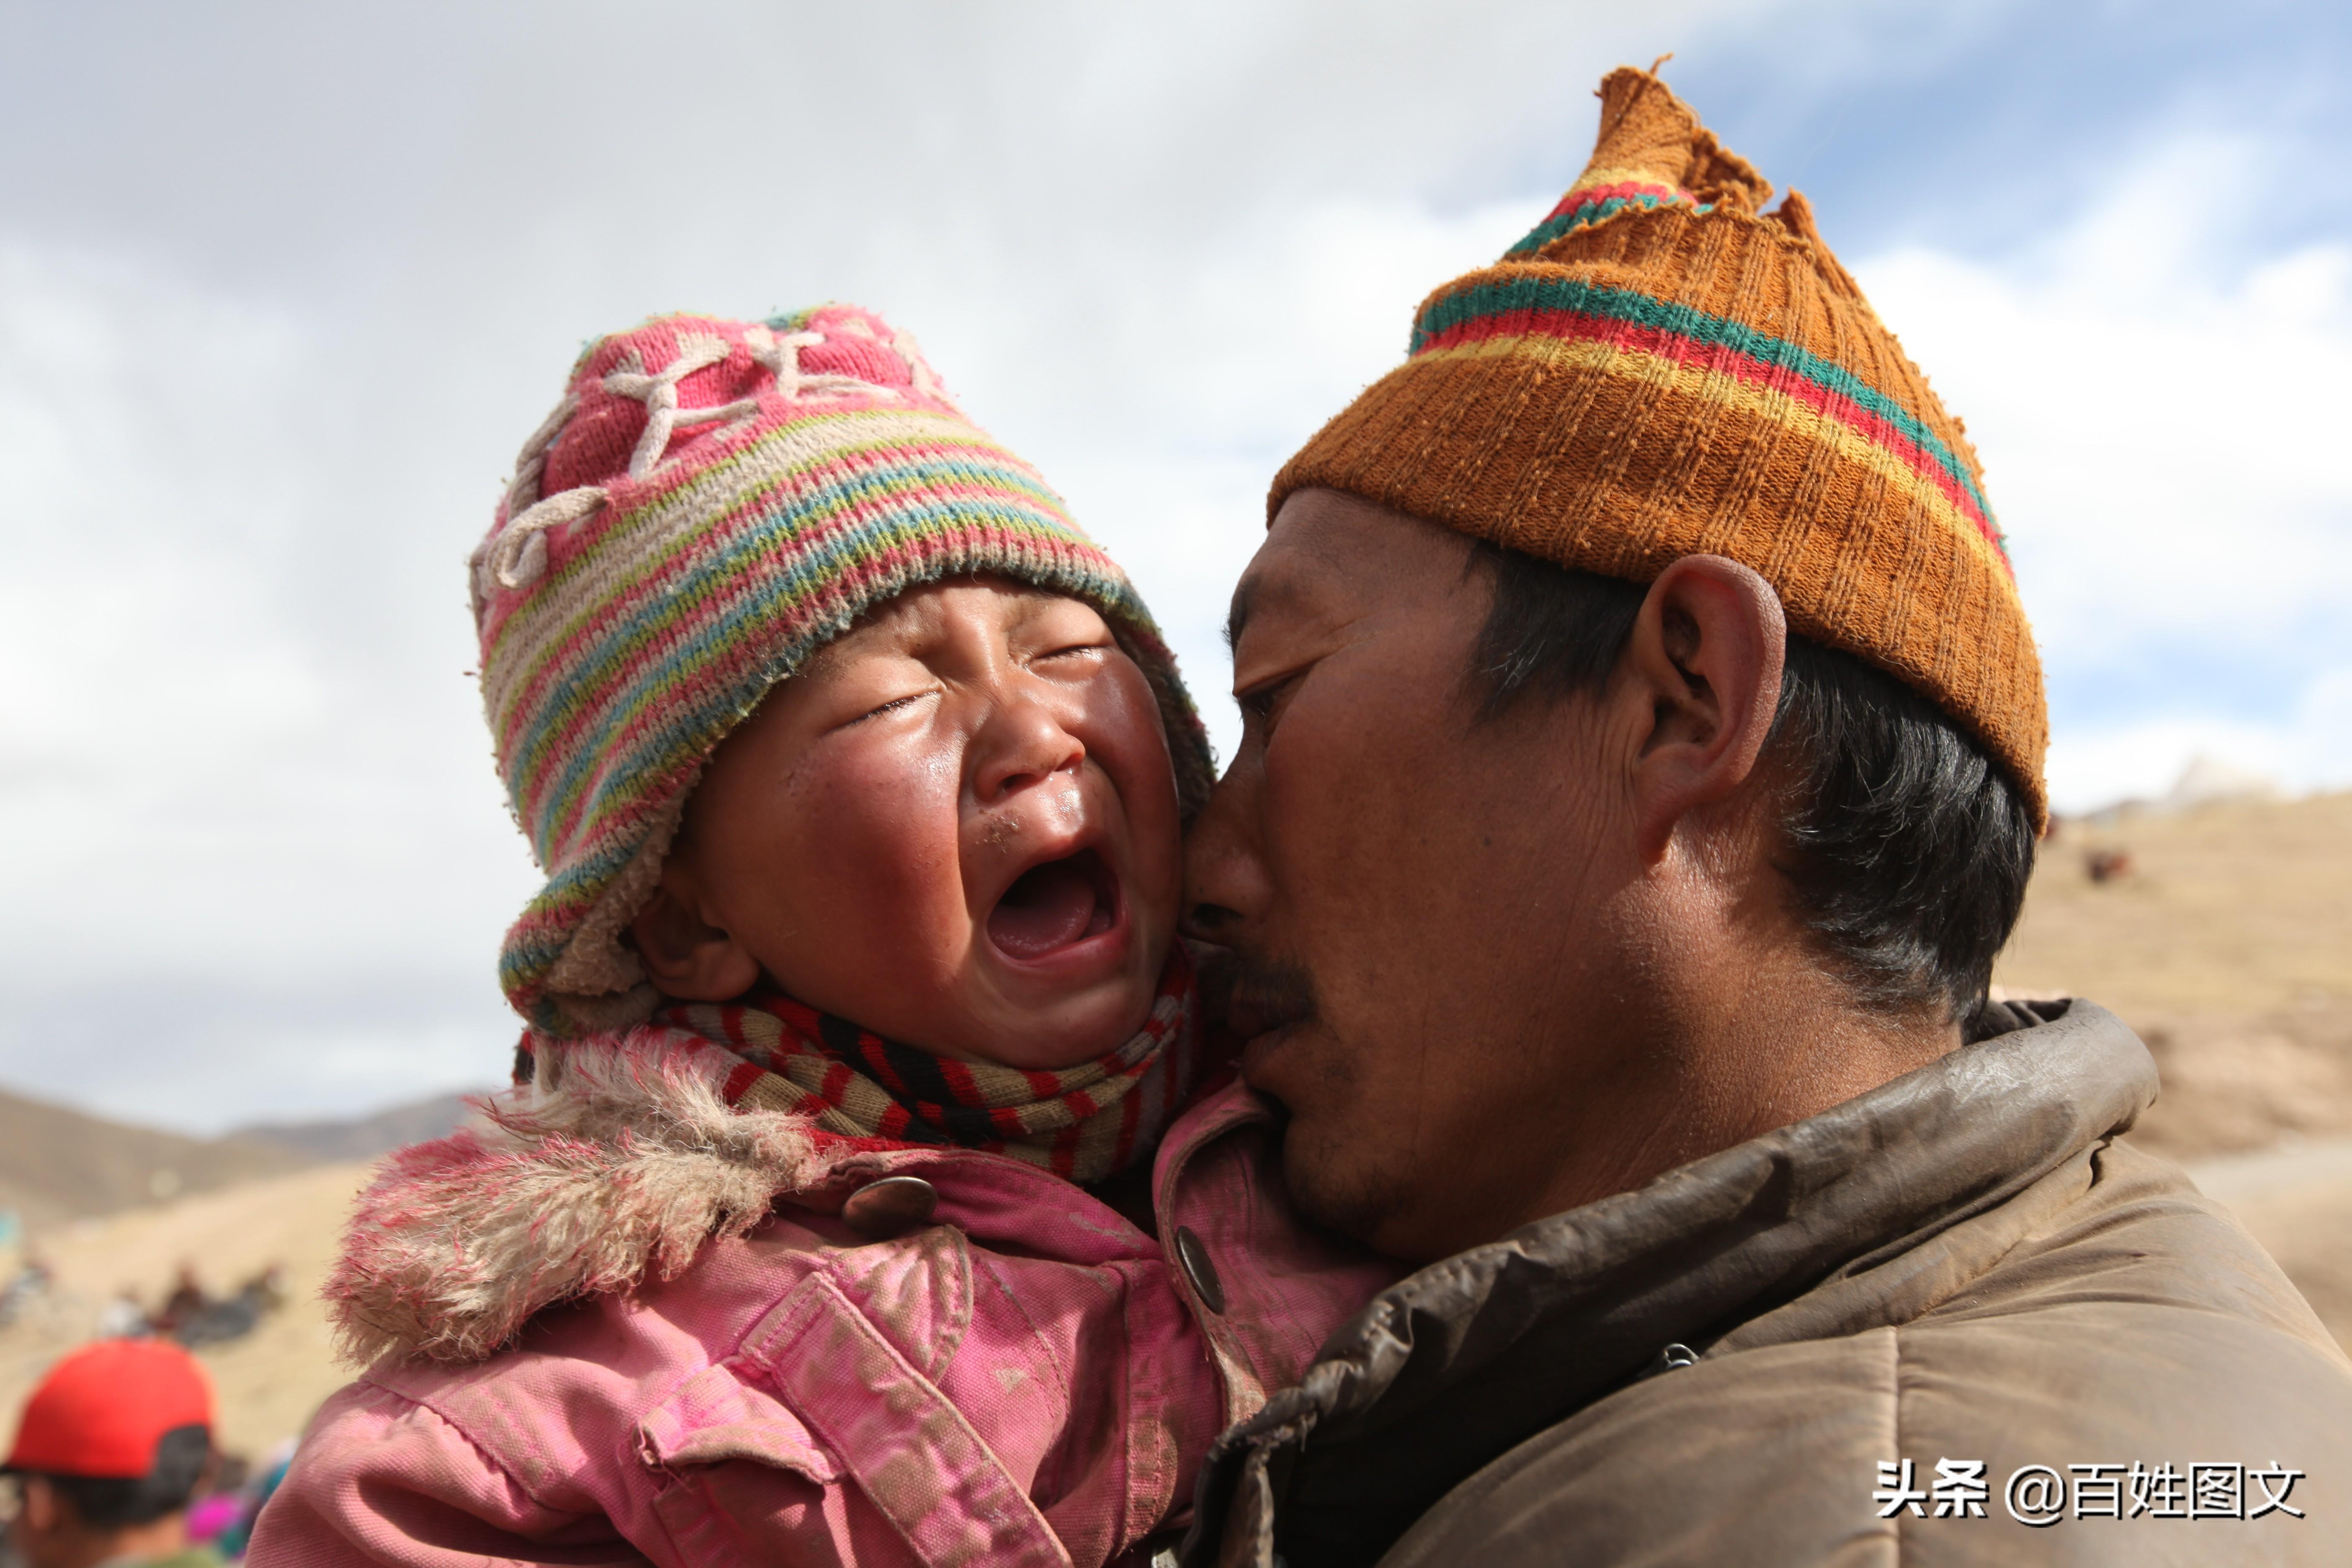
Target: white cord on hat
782,354
659,393
517,557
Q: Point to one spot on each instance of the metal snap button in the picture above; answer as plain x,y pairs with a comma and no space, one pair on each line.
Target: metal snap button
889,1208
1201,1270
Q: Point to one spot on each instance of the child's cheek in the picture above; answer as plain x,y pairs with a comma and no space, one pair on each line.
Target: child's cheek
1128,737
882,834
1117,720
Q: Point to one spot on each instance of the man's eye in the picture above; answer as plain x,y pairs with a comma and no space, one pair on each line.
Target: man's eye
1259,702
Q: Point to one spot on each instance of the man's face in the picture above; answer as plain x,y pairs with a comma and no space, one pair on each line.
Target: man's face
1438,953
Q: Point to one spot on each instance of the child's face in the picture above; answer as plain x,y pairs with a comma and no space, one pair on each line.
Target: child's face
955,826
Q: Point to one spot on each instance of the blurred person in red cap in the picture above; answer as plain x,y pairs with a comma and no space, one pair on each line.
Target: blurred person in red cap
111,1448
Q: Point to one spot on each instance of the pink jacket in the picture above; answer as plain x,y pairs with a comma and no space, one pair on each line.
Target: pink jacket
1029,1379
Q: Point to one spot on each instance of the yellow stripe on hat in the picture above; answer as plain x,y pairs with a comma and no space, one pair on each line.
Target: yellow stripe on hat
1739,396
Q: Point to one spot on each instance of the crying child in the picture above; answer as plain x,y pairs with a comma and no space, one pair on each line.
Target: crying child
868,1193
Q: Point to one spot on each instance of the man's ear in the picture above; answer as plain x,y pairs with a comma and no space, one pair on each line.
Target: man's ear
1706,656
686,956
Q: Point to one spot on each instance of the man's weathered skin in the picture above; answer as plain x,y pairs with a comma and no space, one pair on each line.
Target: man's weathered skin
1962,1264
1499,967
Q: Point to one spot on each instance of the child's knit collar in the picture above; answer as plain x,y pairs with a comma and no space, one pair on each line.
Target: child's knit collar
1085,1122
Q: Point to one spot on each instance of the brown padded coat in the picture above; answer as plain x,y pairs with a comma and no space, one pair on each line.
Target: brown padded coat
1962,1266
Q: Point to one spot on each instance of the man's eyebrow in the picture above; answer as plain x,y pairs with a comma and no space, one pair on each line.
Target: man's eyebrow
1237,616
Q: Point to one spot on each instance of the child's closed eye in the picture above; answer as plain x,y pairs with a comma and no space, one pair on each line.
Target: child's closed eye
890,705
894,703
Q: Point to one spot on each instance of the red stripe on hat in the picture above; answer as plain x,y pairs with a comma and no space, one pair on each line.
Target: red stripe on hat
1674,348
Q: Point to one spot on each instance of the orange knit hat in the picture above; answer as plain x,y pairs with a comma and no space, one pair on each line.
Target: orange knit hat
1661,369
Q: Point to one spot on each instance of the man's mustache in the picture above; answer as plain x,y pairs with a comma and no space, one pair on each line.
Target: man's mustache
1267,993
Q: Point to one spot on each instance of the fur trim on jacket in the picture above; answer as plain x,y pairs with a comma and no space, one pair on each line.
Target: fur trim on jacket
619,1162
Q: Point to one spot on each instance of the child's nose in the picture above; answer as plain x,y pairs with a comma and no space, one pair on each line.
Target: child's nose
1023,744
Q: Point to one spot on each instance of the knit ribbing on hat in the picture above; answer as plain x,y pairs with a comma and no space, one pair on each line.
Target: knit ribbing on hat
709,503
1658,370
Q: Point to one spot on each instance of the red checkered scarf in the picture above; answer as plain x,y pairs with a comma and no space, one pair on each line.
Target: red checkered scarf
1085,1122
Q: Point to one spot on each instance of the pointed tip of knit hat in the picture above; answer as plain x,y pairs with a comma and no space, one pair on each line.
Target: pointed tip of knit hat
1650,152
1661,367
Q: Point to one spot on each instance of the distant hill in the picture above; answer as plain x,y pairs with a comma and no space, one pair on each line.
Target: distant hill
366,1137
58,1165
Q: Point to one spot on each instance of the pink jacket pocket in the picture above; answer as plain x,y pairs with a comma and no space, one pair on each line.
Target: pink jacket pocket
714,1418
912,1455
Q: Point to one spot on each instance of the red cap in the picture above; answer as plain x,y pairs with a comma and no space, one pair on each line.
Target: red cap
101,1410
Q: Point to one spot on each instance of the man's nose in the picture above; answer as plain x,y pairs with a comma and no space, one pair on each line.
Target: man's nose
1023,743
1226,889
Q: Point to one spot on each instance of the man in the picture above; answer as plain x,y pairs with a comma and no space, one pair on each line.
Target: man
1641,769
111,1448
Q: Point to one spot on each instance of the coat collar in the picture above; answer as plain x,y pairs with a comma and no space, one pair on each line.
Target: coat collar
615,1164
623,1156
1464,1360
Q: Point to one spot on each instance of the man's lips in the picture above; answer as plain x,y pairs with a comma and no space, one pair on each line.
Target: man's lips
1056,905
1267,996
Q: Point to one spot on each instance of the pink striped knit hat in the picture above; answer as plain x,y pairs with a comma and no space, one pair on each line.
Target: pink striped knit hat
710,503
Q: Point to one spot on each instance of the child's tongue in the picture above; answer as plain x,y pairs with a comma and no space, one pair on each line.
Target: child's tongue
1050,906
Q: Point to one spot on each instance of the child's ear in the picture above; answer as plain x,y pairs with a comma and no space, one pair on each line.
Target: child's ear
685,955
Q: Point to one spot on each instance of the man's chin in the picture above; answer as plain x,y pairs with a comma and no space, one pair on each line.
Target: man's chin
1331,1184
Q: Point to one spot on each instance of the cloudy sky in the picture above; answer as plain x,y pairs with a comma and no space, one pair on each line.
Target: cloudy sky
282,287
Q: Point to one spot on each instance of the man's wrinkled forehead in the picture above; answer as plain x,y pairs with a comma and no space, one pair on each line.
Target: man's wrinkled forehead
1314,562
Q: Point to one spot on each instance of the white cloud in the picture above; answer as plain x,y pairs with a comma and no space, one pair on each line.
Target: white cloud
2309,748
197,788
1242,357
2161,428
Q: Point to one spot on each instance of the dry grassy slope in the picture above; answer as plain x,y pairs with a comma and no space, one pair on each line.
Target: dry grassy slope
2229,946
59,1164
2233,906
367,1137
270,1380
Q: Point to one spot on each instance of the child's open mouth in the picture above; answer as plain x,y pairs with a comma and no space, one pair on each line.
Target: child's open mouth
1051,907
